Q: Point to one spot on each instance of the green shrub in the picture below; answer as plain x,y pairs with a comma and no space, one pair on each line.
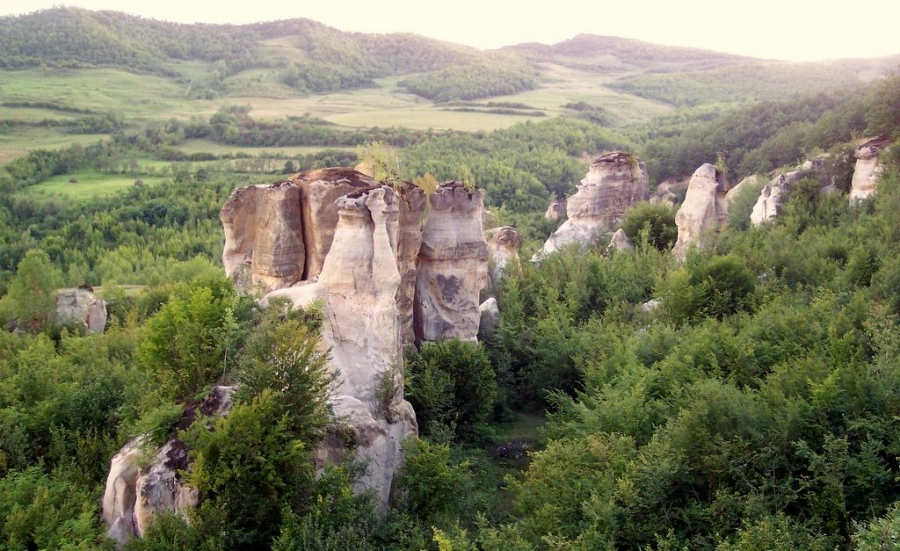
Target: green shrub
656,221
451,383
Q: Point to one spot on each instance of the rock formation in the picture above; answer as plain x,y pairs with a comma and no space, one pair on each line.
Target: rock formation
452,265
319,190
669,192
412,210
704,210
490,316
503,252
138,490
615,181
263,236
772,197
556,210
278,235
80,308
358,288
867,169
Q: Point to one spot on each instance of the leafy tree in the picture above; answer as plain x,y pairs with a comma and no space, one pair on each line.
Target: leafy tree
451,383
31,297
657,221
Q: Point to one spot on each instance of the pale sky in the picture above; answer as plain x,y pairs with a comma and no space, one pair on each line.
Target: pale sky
799,30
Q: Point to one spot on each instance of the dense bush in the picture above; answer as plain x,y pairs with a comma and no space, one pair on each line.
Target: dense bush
452,386
655,222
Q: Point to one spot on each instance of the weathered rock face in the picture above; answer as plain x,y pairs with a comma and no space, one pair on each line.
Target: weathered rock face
503,252
278,235
615,181
669,192
556,210
139,490
412,210
319,190
768,206
704,210
867,170
263,237
80,308
772,197
278,251
452,265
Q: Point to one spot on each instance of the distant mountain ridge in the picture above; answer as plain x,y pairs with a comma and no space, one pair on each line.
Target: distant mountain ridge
74,37
302,57
625,51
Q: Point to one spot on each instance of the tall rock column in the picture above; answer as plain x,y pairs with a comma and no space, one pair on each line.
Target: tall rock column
357,289
412,209
704,210
453,266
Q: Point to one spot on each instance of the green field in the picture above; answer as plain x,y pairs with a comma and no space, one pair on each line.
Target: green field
90,184
206,146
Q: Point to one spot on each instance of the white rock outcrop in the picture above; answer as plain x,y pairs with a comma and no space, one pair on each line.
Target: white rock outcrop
490,316
357,290
867,170
139,489
80,308
278,235
614,182
704,211
669,192
772,197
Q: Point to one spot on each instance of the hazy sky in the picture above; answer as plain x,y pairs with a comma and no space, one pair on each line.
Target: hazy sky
780,29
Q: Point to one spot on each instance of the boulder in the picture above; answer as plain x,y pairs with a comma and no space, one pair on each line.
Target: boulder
704,210
453,266
556,210
140,489
503,245
80,308
614,182
620,242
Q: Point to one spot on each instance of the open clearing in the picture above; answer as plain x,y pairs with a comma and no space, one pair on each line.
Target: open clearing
90,184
